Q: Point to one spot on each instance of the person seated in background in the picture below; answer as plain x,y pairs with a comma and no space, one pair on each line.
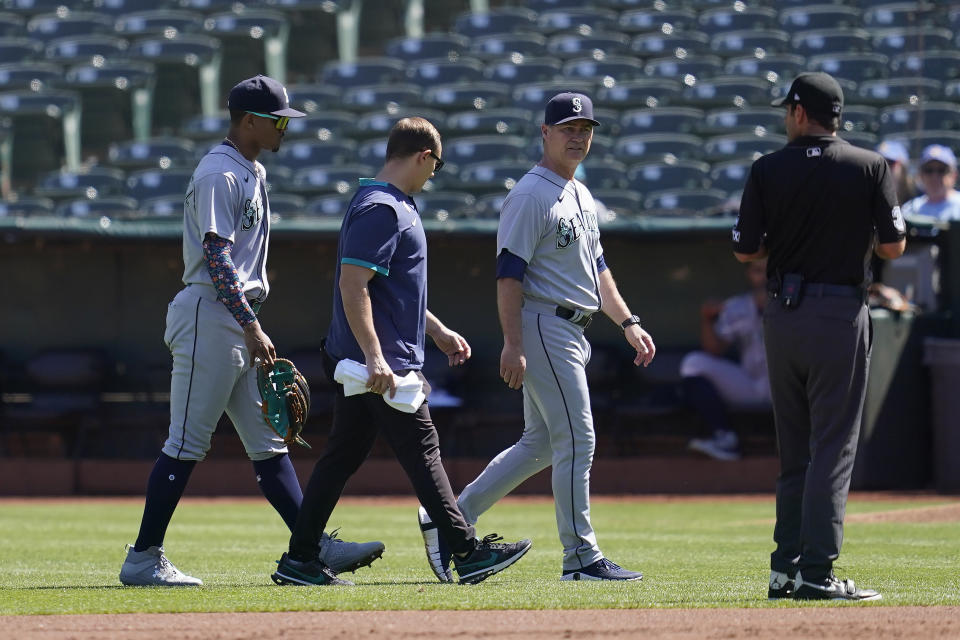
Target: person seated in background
712,383
938,175
895,153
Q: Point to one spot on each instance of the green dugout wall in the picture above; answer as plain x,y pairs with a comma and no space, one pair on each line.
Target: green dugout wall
84,285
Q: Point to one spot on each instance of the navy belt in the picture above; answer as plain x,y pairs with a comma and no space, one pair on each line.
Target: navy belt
823,290
577,317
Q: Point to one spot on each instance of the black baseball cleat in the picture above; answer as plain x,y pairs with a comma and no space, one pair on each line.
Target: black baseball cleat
781,585
830,588
342,556
310,573
488,557
602,569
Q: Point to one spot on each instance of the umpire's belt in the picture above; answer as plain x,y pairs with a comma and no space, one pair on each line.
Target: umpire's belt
580,318
823,290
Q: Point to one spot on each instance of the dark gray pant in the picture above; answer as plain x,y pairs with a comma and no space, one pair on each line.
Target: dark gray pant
818,356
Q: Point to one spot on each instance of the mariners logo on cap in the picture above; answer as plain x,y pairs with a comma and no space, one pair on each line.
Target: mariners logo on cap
577,105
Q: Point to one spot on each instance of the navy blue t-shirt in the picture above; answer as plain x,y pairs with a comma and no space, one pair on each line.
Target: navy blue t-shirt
382,231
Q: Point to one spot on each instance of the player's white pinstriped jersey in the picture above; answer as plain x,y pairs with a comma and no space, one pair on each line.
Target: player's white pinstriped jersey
551,223
227,196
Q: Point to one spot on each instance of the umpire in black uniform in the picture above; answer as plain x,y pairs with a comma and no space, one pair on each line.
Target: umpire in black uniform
818,209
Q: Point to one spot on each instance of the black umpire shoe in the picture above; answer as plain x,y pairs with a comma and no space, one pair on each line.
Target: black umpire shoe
830,588
781,585
488,558
310,573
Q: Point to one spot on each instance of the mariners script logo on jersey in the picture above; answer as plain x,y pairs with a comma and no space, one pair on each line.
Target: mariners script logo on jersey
568,231
252,212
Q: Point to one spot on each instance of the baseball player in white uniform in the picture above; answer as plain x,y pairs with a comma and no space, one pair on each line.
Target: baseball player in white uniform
551,279
711,382
213,333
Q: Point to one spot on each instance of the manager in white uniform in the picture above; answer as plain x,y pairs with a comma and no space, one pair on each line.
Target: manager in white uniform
551,279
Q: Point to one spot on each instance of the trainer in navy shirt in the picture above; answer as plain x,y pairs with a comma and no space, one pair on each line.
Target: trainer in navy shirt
383,232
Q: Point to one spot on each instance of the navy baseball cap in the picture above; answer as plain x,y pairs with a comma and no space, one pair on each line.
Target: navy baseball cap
568,106
894,151
262,94
816,91
938,153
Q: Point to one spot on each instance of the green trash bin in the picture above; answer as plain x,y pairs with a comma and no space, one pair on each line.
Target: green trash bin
943,357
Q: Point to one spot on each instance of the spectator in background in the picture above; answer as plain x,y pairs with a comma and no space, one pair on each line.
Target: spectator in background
895,153
712,382
938,175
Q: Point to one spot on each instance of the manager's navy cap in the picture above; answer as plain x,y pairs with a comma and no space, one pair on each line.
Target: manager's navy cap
568,106
262,94
816,91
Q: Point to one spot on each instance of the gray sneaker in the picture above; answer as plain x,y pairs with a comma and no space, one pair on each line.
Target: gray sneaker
724,445
151,568
342,556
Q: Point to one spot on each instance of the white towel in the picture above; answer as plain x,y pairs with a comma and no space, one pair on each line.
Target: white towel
353,376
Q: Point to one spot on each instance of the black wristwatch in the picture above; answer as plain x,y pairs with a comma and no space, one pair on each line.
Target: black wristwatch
629,321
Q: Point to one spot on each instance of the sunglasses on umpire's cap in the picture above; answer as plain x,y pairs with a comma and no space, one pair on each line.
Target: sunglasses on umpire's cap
816,91
568,106
265,97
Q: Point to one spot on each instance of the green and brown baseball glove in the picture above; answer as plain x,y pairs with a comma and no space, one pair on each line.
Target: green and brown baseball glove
286,399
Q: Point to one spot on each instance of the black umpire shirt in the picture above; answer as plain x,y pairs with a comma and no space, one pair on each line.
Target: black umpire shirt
819,205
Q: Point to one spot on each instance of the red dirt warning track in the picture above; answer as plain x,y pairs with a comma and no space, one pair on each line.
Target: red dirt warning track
848,621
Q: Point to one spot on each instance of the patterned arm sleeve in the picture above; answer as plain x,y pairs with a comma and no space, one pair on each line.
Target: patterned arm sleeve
223,273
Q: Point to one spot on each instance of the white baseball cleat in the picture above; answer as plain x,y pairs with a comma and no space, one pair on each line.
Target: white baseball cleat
438,554
150,568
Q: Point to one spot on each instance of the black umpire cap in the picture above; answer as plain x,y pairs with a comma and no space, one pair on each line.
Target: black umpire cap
818,92
262,94
568,106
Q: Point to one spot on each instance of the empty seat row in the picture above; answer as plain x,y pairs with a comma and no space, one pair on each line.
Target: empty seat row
709,19
442,206
81,42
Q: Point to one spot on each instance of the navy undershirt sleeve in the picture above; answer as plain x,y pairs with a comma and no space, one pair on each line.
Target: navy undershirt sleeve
510,265
601,264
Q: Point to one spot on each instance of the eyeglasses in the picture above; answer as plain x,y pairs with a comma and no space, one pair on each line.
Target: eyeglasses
931,170
282,121
440,162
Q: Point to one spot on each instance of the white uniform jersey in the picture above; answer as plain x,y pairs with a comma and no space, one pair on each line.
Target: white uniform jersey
227,196
740,323
551,223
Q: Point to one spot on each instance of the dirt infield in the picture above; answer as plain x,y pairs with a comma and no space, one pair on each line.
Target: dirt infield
857,621
937,513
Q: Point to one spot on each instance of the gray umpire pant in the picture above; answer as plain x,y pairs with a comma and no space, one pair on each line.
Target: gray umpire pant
818,356
558,431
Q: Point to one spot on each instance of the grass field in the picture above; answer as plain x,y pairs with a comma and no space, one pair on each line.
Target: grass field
63,557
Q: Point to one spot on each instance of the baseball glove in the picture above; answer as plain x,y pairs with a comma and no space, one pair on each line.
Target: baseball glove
286,399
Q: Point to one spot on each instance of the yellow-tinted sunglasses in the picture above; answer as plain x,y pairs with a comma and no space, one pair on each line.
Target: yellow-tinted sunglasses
282,121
